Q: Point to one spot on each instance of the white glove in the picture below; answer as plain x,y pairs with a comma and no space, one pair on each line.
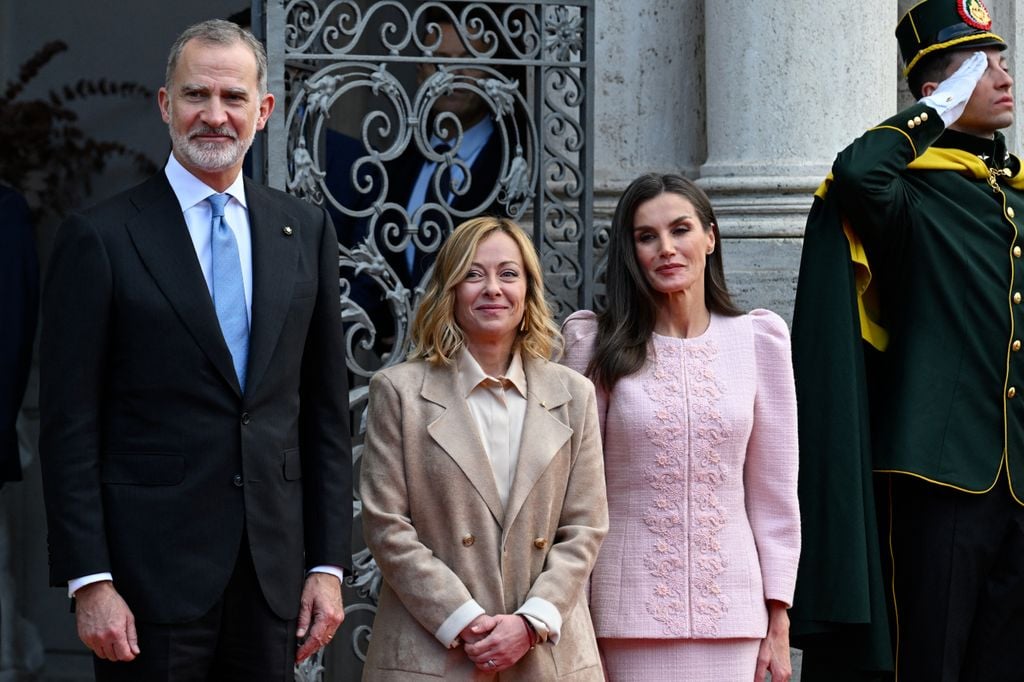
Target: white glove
950,98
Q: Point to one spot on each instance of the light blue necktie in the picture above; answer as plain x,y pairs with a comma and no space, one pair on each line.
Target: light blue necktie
228,290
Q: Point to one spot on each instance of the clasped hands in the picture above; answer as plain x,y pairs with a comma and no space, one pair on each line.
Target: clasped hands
496,643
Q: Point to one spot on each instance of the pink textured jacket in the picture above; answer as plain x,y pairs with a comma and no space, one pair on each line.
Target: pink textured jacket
700,453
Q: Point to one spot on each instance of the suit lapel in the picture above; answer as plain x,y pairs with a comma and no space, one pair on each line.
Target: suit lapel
162,241
457,435
543,433
274,260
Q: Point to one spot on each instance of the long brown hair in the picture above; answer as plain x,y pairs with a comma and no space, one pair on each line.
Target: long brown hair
625,326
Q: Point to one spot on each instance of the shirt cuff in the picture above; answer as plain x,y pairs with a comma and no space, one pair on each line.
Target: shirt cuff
448,633
332,570
537,609
78,583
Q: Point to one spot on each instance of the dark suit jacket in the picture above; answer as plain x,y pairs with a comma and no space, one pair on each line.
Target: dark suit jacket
402,176
19,304
154,463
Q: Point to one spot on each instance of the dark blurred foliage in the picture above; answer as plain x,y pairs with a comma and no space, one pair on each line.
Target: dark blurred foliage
44,154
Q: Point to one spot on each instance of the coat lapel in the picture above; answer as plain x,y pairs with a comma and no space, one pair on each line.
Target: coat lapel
457,435
543,433
274,261
162,241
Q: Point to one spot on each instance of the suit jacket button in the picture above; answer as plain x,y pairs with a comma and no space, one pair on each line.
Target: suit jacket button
1010,212
237,480
540,543
1016,345
245,418
468,540
1016,252
1017,298
1011,392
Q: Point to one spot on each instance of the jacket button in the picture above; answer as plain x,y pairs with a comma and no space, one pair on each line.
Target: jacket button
468,540
924,116
237,480
910,123
1010,212
245,418
1016,345
1011,392
1016,297
1016,252
540,543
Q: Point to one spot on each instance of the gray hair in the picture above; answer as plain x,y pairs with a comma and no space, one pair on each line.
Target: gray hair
219,32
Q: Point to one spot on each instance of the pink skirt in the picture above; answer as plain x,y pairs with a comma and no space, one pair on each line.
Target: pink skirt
679,660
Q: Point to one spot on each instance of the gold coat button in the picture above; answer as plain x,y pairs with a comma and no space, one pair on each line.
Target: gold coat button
540,543
1016,252
1016,345
924,115
917,120
1011,392
910,123
468,540
1010,212
1016,297
287,230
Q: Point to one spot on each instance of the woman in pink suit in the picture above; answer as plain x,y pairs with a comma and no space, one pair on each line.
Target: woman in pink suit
698,416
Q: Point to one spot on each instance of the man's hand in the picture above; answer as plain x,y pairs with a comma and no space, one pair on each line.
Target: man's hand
105,623
321,603
503,647
951,96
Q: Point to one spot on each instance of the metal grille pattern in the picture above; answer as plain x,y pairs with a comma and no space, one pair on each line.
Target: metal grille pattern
376,70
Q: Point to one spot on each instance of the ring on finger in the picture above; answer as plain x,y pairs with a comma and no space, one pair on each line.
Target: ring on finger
490,662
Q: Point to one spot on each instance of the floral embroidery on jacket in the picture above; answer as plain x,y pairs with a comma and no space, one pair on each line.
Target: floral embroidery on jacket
686,515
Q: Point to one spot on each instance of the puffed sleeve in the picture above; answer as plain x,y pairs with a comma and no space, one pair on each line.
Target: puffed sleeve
580,334
770,472
412,569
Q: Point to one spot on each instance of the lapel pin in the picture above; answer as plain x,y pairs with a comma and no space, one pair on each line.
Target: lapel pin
287,230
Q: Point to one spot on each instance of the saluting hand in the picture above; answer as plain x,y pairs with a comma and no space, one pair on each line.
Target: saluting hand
950,98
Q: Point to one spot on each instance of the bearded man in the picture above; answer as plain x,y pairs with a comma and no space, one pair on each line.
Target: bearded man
195,449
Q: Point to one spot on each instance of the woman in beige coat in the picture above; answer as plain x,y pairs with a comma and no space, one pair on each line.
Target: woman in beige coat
482,480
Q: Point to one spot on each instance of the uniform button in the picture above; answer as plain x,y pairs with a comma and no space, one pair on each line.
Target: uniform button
245,418
540,543
1010,212
924,115
468,540
917,120
910,123
1016,252
237,480
1016,297
1016,345
1011,392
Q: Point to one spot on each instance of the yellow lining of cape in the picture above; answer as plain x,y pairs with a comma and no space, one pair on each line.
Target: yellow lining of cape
933,158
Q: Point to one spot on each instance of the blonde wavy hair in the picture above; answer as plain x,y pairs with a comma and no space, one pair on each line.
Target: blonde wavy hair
437,337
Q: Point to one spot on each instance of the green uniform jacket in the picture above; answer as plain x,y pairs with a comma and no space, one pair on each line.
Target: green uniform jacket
939,232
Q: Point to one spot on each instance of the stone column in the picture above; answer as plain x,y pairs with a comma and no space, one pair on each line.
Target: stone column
789,84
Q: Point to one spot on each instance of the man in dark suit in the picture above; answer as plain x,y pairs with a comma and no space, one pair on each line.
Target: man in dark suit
19,303
194,418
413,175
